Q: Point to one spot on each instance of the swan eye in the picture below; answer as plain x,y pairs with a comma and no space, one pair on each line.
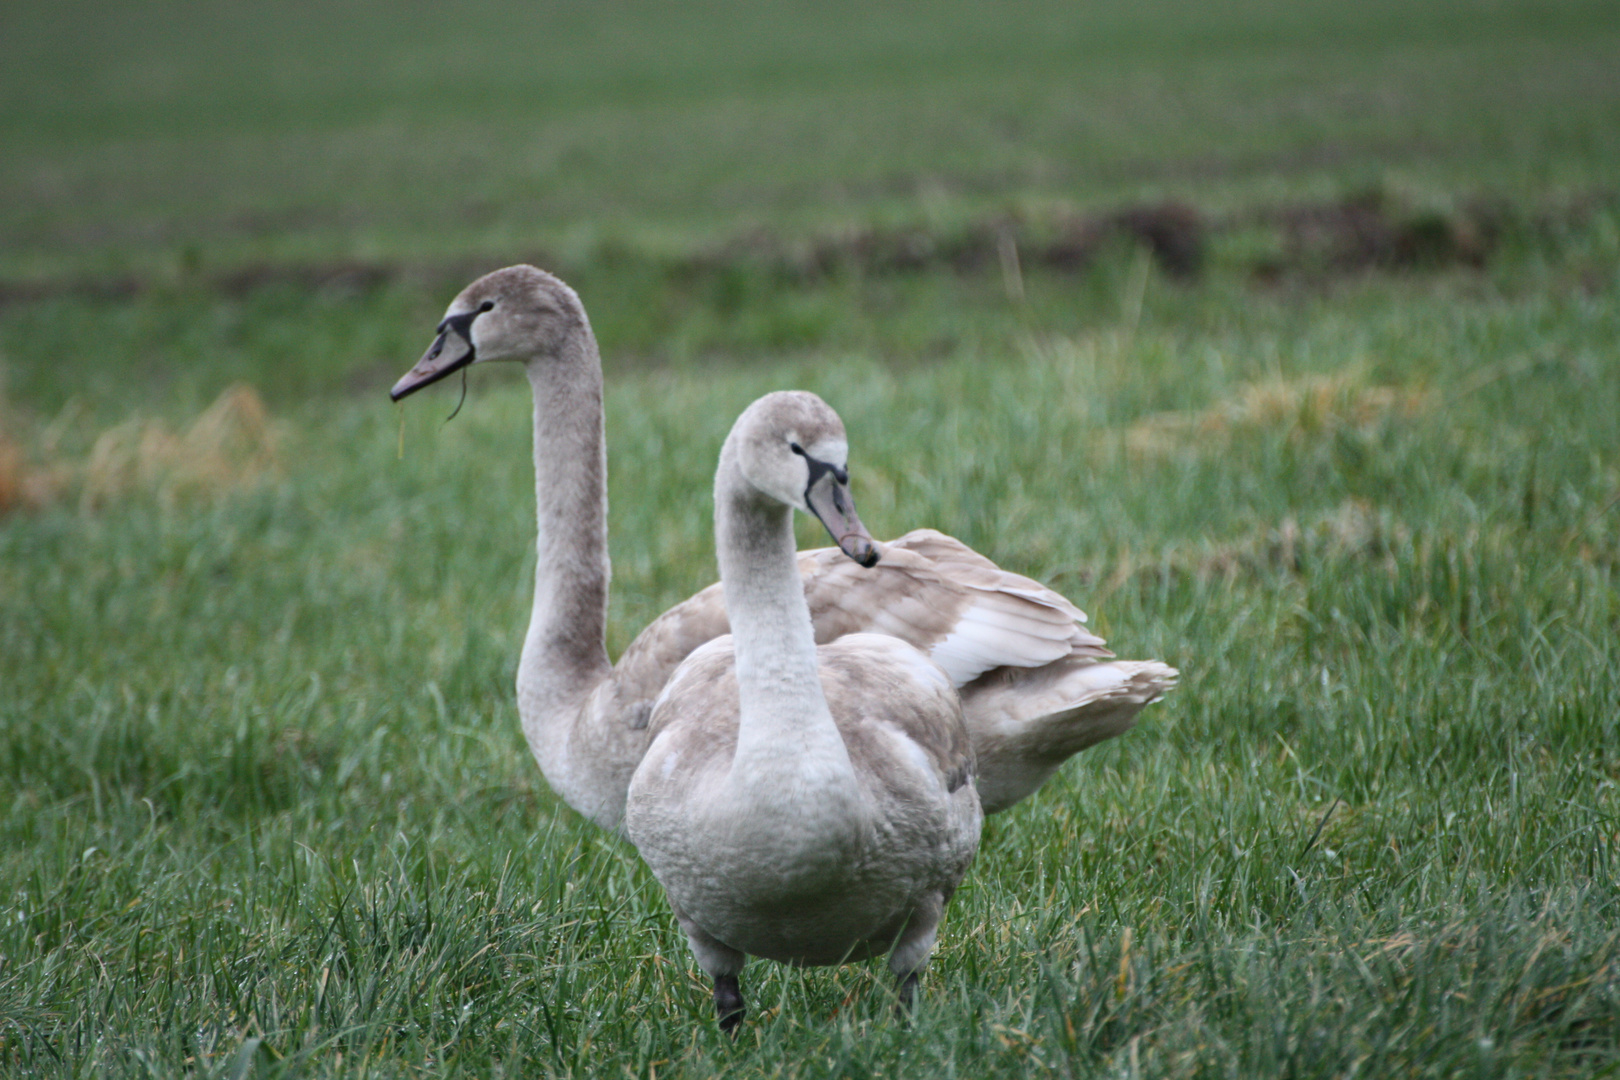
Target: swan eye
487,305
796,448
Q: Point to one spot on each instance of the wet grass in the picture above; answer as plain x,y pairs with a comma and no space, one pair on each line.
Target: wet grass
264,807
267,802
157,139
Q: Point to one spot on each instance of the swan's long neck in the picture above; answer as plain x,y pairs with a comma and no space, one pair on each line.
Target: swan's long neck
565,652
785,724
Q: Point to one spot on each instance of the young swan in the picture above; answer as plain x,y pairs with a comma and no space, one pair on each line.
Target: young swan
808,805
1036,685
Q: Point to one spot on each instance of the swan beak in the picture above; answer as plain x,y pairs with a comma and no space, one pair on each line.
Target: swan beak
830,501
450,352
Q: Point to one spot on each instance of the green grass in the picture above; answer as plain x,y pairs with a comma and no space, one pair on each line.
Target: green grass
148,137
264,805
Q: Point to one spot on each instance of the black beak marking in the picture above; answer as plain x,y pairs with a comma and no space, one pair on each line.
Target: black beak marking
461,326
818,469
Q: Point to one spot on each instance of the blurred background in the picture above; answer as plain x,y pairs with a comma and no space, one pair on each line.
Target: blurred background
1281,335
708,173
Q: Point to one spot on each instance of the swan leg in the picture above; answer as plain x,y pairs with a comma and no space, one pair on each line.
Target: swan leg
906,989
728,1003
721,963
913,950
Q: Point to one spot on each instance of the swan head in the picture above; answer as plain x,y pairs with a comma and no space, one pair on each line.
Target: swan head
790,446
519,313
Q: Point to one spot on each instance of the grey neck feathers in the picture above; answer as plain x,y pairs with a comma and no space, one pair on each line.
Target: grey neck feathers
565,652
784,714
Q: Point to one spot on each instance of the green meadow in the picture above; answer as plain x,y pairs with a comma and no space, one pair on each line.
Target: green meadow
1282,337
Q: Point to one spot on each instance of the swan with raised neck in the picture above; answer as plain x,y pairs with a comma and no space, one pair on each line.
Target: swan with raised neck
1036,685
804,803
526,315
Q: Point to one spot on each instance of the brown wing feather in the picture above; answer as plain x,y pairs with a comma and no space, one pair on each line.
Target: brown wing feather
658,650
944,598
930,590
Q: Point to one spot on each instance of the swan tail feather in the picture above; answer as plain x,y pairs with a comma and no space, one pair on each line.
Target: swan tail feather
1025,724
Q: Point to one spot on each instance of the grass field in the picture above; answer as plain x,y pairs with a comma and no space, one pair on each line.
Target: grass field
264,805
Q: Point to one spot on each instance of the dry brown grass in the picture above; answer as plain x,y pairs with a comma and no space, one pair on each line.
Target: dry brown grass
26,482
230,445
1301,408
1354,530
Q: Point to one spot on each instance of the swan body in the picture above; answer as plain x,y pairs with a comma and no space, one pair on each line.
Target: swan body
1036,686
808,804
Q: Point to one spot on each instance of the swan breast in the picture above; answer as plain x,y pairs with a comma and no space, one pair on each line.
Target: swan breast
751,877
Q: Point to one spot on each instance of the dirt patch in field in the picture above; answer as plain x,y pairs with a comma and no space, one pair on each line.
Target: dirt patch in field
1363,232
1370,231
1174,233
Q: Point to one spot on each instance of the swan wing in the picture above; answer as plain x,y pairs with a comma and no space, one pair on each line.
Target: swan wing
646,666
1027,723
875,682
942,597
930,590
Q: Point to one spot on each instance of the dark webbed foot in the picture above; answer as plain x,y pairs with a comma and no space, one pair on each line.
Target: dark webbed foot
906,987
728,1002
